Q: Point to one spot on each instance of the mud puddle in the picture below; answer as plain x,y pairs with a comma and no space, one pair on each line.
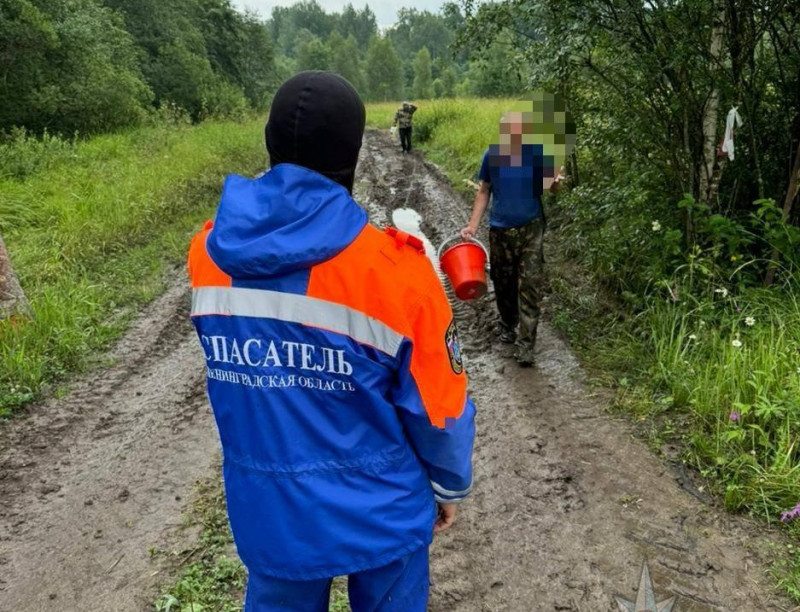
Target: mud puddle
567,505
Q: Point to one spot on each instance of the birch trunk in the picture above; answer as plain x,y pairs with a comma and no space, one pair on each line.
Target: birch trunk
711,110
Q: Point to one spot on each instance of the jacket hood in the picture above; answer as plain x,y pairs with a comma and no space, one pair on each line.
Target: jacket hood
289,219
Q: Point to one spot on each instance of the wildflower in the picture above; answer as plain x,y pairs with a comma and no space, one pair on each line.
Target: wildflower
737,343
722,291
692,336
790,514
749,321
734,416
656,226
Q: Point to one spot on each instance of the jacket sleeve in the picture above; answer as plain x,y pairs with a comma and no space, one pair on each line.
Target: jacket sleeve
430,394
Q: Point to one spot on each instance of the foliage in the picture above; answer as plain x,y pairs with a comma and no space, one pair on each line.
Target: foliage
384,70
312,54
22,153
286,22
358,23
92,66
650,85
68,65
201,55
497,71
423,83
344,60
90,226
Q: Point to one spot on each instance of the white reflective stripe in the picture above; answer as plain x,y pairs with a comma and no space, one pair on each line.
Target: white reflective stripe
448,500
442,491
293,308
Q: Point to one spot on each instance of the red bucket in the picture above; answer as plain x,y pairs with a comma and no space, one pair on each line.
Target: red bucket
465,266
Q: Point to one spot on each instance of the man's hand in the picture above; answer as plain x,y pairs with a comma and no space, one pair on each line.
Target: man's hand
469,232
556,184
446,514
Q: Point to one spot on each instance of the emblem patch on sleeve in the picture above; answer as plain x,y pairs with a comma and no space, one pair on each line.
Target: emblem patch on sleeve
454,348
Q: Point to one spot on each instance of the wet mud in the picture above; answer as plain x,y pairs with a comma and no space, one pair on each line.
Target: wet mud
567,507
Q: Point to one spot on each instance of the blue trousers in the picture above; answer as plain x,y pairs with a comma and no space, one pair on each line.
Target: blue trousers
401,586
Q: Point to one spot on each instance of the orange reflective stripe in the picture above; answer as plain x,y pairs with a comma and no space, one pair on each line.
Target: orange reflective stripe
398,286
203,272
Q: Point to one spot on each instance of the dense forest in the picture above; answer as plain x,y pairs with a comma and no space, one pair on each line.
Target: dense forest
91,66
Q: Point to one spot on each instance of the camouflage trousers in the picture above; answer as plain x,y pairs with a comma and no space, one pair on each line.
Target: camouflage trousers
517,271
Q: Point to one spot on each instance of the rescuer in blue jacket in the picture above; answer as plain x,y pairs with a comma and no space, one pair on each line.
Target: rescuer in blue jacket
334,371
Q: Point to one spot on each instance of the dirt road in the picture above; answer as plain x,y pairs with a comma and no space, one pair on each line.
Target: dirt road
567,505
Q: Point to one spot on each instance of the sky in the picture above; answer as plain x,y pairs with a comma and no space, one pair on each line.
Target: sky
385,10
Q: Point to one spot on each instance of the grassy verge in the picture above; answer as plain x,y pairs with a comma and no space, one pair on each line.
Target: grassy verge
209,575
91,231
704,361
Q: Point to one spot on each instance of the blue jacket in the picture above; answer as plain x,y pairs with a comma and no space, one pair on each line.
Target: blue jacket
335,375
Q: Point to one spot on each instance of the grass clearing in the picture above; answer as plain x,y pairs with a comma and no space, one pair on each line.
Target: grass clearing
91,232
716,372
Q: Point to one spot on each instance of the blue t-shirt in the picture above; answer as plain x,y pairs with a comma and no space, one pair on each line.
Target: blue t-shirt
516,190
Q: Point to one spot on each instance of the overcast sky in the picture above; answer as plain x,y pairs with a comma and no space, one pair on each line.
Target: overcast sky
385,10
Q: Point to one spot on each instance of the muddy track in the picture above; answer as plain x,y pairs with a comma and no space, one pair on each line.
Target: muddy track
567,504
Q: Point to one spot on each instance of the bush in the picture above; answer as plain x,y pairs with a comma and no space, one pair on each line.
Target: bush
22,153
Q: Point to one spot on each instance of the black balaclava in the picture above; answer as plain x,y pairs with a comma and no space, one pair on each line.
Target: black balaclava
317,121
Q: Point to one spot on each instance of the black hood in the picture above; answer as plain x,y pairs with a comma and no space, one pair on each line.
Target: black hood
317,121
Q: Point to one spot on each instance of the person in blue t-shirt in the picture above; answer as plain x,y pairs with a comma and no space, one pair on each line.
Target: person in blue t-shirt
514,174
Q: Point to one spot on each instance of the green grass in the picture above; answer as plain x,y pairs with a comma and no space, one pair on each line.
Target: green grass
734,411
90,234
209,575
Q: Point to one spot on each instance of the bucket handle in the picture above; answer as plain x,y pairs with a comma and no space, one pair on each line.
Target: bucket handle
458,236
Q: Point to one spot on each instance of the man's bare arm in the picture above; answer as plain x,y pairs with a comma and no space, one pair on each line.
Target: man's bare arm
478,207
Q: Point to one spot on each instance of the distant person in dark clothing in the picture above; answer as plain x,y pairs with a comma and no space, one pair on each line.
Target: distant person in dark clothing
403,119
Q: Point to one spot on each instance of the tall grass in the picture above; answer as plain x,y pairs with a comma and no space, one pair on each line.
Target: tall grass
90,231
732,364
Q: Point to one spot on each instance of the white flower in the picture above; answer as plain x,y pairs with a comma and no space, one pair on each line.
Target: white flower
737,343
692,336
722,291
656,226
749,321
